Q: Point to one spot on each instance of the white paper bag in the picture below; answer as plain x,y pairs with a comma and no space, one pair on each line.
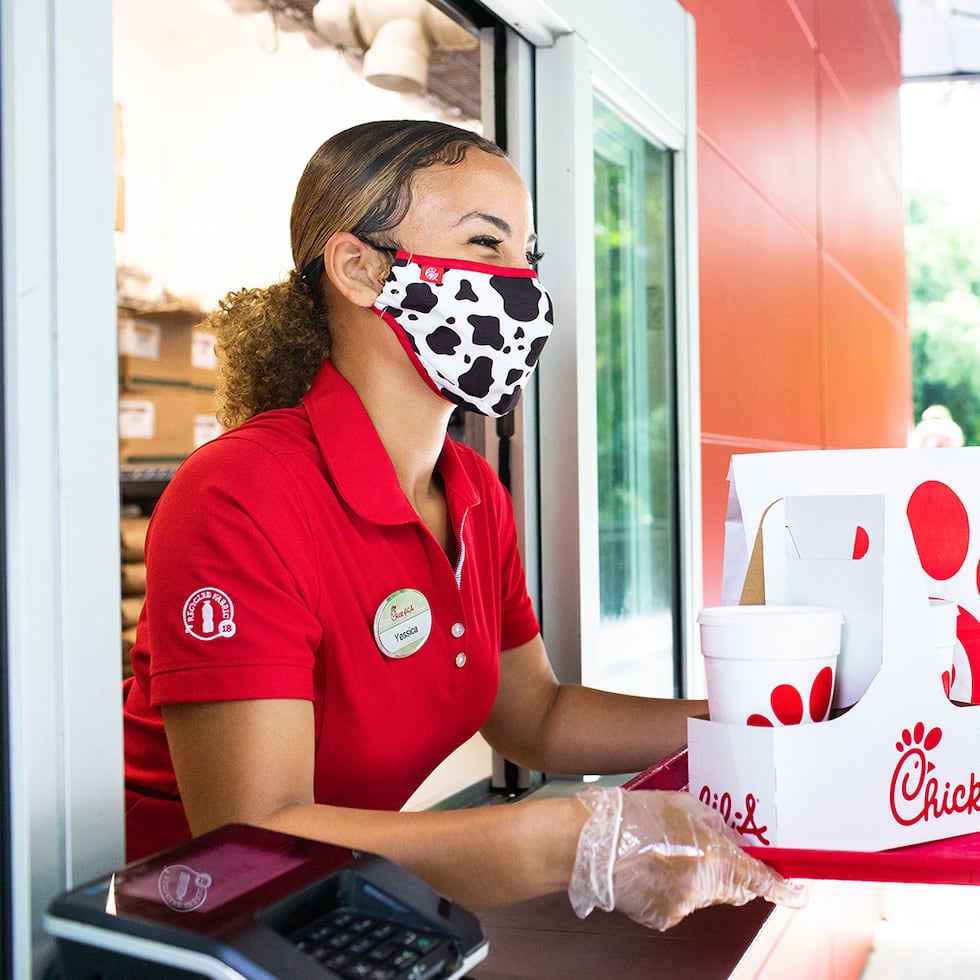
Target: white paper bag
876,533
828,550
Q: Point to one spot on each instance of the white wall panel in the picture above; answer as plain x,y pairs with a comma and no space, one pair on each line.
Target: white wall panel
60,466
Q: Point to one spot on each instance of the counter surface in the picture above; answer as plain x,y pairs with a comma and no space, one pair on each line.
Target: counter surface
544,939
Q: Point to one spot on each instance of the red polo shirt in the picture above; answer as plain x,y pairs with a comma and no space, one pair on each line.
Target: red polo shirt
284,561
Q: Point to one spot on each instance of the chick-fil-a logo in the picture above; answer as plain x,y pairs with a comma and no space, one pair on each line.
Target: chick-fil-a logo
741,823
916,795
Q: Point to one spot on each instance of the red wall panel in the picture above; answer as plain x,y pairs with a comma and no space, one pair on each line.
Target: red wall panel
757,106
762,376
854,182
801,251
859,49
868,358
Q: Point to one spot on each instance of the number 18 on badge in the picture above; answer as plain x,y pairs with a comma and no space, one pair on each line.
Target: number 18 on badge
402,623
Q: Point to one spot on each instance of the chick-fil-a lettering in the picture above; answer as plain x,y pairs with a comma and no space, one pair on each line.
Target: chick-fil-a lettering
743,824
916,796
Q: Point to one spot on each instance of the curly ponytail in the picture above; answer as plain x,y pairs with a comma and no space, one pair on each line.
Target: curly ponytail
270,344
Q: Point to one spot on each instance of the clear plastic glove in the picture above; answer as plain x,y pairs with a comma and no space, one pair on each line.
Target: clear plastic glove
656,856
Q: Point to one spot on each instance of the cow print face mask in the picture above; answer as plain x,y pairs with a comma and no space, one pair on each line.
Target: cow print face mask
474,332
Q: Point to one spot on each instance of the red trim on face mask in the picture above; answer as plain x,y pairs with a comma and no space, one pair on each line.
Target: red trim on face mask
430,261
406,343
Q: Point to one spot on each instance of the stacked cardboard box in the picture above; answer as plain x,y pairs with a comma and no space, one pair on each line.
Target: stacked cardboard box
132,552
167,374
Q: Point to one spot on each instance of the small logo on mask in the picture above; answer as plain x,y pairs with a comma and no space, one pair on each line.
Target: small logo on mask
209,613
432,273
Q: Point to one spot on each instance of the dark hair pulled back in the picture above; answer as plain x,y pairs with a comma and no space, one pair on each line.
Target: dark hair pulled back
272,341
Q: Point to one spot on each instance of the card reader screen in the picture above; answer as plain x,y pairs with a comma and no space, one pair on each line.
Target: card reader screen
217,877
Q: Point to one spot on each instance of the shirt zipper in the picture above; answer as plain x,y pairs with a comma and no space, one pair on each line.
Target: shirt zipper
462,549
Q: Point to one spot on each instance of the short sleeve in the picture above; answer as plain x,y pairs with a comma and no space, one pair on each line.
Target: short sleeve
231,583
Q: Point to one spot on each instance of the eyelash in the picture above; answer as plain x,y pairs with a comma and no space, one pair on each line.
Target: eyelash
486,241
533,258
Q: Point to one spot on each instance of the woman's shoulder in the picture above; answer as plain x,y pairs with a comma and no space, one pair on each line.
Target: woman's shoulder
260,453
279,432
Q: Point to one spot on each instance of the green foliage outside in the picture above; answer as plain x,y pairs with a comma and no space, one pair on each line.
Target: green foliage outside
942,239
943,261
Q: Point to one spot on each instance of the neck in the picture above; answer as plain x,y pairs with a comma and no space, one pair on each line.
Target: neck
410,418
413,439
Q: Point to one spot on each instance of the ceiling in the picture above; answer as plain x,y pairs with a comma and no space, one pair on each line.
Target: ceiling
454,76
940,38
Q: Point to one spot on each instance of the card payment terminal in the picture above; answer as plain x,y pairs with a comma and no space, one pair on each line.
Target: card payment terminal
242,903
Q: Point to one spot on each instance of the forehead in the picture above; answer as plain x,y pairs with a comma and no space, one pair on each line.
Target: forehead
480,183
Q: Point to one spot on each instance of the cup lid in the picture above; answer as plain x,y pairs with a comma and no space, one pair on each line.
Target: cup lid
751,615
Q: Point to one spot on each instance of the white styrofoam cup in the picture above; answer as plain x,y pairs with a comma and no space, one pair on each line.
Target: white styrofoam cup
770,665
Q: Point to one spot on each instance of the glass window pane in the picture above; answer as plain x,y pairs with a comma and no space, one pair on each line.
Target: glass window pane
635,409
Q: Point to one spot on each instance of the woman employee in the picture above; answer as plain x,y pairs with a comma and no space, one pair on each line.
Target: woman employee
335,599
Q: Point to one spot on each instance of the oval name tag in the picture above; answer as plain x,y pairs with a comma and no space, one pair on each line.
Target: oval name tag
402,623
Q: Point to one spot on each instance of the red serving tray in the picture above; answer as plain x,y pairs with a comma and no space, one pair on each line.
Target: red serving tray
954,861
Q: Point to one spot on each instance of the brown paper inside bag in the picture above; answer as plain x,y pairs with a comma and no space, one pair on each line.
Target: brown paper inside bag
754,587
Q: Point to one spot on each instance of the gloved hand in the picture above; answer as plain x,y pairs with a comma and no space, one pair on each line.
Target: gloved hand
656,856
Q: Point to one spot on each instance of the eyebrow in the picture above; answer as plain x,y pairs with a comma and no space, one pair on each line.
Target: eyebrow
498,223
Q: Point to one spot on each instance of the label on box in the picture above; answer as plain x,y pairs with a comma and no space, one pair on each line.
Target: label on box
139,338
137,418
206,428
202,350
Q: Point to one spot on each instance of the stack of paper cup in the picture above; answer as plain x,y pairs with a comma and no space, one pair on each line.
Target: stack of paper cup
770,665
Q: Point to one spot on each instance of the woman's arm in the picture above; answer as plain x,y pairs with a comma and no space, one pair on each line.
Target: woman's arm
252,762
565,728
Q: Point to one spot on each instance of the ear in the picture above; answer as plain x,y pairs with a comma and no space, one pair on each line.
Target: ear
355,270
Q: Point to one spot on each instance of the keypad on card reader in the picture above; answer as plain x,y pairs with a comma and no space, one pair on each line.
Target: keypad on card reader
361,947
